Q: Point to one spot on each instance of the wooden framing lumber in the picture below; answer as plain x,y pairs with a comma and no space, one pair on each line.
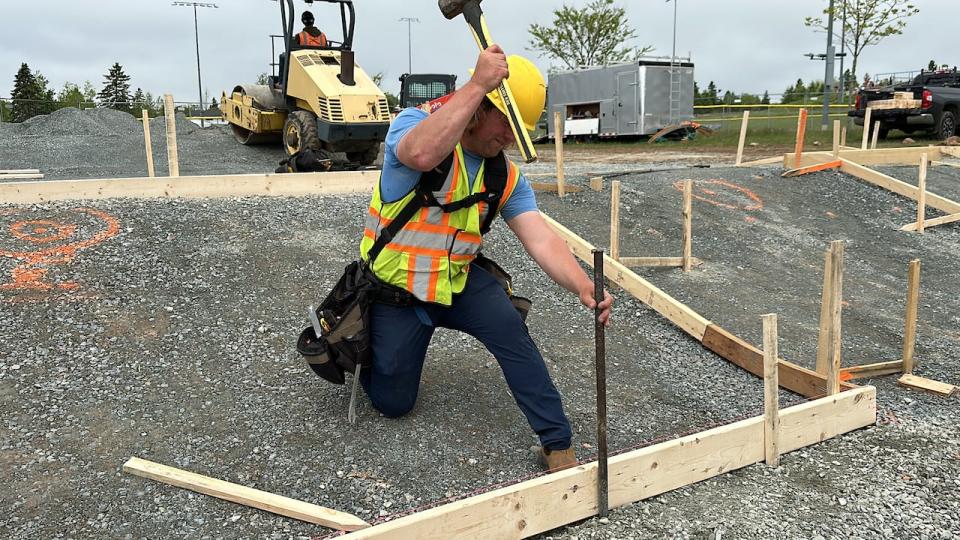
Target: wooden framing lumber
900,188
878,369
173,160
23,176
881,156
922,194
547,502
823,336
687,232
945,164
19,171
953,151
256,498
146,141
866,128
764,161
910,316
876,135
743,137
771,392
596,183
942,220
836,307
836,139
676,312
843,136
550,187
801,133
800,171
615,220
632,262
795,378
927,385
558,132
191,187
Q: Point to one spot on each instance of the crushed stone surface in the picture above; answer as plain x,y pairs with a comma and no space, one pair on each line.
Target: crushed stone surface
173,340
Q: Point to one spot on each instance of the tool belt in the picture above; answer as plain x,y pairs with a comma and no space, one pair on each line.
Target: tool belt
521,304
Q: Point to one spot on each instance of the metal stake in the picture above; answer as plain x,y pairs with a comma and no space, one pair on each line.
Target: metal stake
601,363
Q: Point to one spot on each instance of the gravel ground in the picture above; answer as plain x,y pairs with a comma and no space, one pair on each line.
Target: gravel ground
176,345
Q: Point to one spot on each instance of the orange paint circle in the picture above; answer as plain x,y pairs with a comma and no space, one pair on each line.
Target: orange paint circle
41,231
724,197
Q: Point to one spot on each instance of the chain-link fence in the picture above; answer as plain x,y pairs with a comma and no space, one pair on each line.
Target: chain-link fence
21,109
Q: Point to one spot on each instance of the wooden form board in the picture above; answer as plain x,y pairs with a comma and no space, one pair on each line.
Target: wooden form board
881,156
550,187
728,346
657,261
236,185
558,133
901,188
764,161
927,385
21,176
800,171
878,369
942,220
256,498
19,171
147,142
743,137
547,502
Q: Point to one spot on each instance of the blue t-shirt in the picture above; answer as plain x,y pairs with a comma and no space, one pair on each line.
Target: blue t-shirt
397,179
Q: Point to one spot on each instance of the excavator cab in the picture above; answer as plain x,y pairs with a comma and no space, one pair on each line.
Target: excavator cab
322,99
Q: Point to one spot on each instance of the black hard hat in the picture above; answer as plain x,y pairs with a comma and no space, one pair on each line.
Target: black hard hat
306,18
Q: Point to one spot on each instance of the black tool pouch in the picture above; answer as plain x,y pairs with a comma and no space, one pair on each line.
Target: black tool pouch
521,304
344,318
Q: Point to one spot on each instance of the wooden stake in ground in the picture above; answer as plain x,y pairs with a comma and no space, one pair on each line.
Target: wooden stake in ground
910,318
596,183
687,214
558,139
836,305
256,498
801,132
866,128
843,136
836,139
615,220
743,136
922,195
823,340
771,392
876,135
147,142
173,162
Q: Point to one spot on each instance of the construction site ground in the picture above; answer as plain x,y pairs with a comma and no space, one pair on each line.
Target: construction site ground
173,340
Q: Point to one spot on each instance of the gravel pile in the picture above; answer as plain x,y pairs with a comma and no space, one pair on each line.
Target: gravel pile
176,345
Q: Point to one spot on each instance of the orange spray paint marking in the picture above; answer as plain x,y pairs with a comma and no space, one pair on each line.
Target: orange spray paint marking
727,197
31,273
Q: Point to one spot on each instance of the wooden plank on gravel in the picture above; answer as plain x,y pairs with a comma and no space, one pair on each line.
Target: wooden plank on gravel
927,385
881,156
877,369
19,171
190,187
21,176
764,161
679,314
900,188
797,379
248,496
550,501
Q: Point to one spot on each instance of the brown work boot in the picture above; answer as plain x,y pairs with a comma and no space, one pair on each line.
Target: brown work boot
555,460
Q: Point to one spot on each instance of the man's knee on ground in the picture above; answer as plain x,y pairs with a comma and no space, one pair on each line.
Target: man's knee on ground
393,408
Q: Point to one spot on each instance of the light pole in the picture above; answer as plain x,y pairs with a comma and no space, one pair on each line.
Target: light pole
409,21
828,72
674,76
196,35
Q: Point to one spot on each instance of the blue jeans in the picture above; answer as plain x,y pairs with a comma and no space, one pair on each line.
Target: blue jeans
400,336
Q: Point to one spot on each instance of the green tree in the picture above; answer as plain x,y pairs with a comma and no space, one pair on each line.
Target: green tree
932,66
27,96
69,96
729,98
116,89
711,97
765,100
749,99
591,36
137,101
867,23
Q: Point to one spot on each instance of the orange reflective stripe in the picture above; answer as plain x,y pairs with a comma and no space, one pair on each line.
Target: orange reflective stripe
385,220
469,238
411,263
434,274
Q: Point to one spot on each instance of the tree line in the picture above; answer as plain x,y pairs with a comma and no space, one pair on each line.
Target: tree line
32,95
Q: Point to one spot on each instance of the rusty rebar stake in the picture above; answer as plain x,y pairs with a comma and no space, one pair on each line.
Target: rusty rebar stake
601,364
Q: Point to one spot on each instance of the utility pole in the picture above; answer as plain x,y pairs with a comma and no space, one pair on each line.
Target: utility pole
828,72
675,83
409,21
196,35
843,51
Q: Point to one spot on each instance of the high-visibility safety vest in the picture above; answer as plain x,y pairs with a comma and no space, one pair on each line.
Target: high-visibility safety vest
307,40
430,256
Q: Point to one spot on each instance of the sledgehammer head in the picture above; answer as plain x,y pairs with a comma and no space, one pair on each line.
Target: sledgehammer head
453,8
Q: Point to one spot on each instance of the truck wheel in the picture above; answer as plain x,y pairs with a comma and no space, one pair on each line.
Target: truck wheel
300,132
884,131
365,157
948,125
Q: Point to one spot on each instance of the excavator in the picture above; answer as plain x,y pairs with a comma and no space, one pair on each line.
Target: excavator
321,100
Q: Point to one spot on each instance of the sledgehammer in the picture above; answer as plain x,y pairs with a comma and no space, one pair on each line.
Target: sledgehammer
474,17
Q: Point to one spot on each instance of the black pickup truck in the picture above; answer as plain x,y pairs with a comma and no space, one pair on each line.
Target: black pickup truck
938,93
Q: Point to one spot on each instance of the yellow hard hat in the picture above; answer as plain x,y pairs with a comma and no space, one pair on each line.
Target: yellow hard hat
528,88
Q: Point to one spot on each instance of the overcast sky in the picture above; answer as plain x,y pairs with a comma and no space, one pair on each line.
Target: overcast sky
743,45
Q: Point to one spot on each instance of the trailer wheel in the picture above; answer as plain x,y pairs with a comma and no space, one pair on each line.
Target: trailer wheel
300,132
948,125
